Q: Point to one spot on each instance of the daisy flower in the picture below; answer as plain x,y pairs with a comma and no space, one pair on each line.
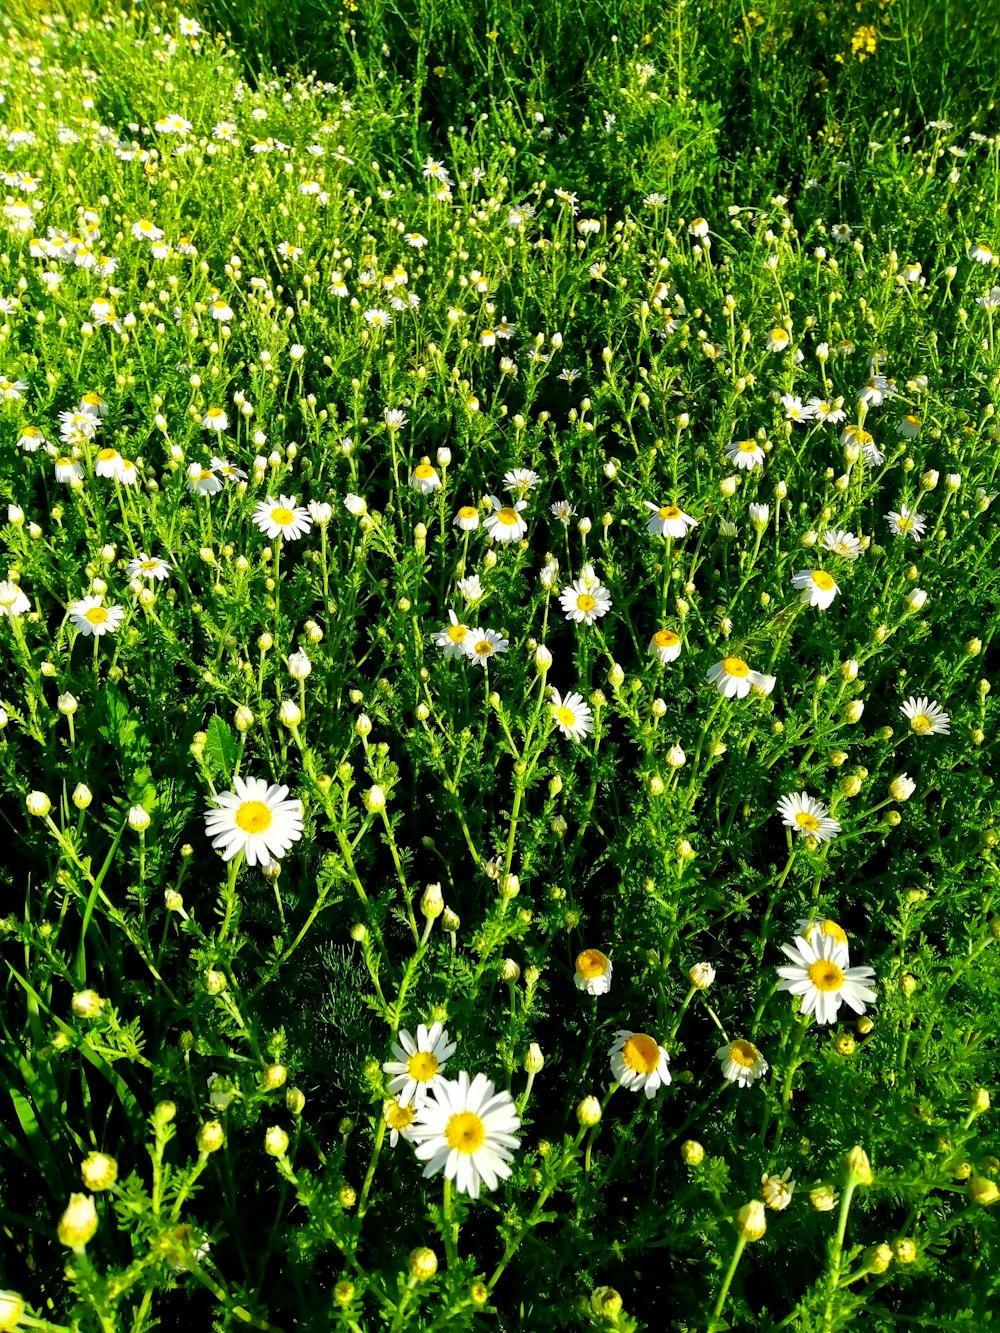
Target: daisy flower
468,1130
585,600
283,517
12,600
562,511
665,646
821,974
221,310
795,409
67,470
203,480
505,524
470,587
777,340
417,1066
668,520
128,473
424,477
818,587
107,463
89,616
30,439
910,426
906,523
256,819
482,644
453,638
842,543
229,470
741,1062
572,715
399,1120
745,454
467,518
521,480
926,718
147,567
734,678
639,1063
593,972
215,419
807,929
980,252
807,817
144,230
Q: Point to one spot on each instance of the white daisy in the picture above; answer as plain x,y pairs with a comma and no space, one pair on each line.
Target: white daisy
585,600
795,409
593,972
202,480
668,520
910,426
482,644
107,463
230,471
67,470
842,543
467,518
471,588
424,477
639,1063
562,511
90,616
742,1063
147,567
734,678
12,600
30,439
467,1129
505,524
417,1065
521,480
283,517
777,340
818,587
906,523
453,638
256,819
745,454
822,975
572,715
665,646
399,1120
809,818
221,310
215,419
926,717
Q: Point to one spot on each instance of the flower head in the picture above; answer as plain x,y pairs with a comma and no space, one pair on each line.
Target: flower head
734,678
283,517
256,819
468,1130
639,1063
817,586
505,524
741,1062
417,1065
585,600
571,715
668,520
821,974
926,717
593,972
809,818
90,616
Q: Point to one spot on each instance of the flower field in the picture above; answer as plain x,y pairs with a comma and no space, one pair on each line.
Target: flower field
498,618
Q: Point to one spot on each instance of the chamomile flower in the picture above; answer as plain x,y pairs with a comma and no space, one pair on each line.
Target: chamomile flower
665,646
12,600
817,586
215,419
399,1120
424,477
593,972
229,470
107,463
453,638
482,644
741,1062
148,567
67,470
30,439
745,454
254,818
777,340
926,718
821,974
221,310
467,1129
639,1063
796,410
585,600
733,678
471,588
90,616
572,715
521,480
418,1065
283,517
807,929
980,252
842,543
93,404
467,518
668,520
808,817
562,511
202,480
505,524
910,426
906,523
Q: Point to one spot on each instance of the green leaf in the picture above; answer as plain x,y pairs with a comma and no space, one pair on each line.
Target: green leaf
221,747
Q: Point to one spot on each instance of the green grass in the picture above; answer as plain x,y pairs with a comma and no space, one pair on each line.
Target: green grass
220,1032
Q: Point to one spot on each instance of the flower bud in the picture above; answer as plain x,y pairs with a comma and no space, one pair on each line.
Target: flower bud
423,1264
606,1303
82,796
363,725
849,670
78,1223
701,976
534,1060
854,710
588,1112
299,665
289,714
878,1258
511,887
374,799
751,1220
98,1171
276,1142
138,819
823,1197
215,981
11,1310
343,1292
243,718
211,1137
87,1004
273,1077
509,971
901,788
38,803
432,902
979,1101
857,1167
692,1153
904,1250
850,785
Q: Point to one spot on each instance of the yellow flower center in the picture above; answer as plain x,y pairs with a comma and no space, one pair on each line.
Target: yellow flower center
807,822
422,1066
465,1132
467,511
743,1053
106,455
779,336
835,932
423,471
507,516
592,963
747,446
904,524
93,399
735,666
204,474
484,648
668,511
399,1117
911,420
641,1053
825,975
96,615
666,638
253,817
823,580
150,564
921,724
566,716
30,433
585,602
457,633
282,515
